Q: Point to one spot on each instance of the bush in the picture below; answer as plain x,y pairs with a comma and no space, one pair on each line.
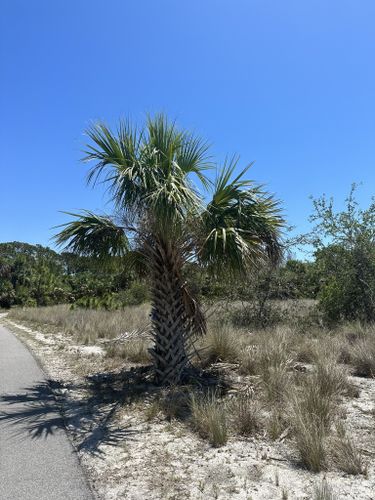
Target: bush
345,258
136,294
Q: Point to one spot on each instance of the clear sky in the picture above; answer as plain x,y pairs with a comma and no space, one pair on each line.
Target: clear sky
290,84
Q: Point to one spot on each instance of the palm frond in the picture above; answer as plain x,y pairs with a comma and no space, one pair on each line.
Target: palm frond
118,162
136,260
149,170
92,235
241,224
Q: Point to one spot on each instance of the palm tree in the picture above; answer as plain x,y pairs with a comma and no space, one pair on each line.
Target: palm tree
161,222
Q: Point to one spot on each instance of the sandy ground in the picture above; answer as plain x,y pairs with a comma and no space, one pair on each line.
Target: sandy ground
128,457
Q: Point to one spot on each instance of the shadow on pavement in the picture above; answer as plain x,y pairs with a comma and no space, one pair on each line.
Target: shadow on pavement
88,408
34,410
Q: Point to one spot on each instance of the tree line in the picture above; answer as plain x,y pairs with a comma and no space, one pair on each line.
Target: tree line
34,275
340,276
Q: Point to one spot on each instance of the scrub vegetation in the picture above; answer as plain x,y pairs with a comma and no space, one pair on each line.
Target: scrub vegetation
186,319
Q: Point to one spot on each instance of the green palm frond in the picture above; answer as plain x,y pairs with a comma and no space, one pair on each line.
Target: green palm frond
118,162
136,260
92,235
192,158
149,170
240,226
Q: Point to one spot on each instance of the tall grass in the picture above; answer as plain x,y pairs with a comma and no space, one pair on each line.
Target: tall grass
314,409
246,415
323,491
209,418
363,357
221,344
345,454
296,377
85,325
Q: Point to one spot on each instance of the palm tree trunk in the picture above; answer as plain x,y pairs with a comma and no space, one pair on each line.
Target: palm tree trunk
169,321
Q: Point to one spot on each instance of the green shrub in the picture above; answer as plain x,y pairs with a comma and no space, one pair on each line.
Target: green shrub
136,294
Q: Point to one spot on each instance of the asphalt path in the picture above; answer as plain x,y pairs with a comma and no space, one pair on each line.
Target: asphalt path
37,460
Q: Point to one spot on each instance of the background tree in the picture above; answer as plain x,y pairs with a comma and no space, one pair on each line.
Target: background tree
32,275
162,222
344,244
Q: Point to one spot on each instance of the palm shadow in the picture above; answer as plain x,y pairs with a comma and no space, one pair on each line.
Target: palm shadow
88,408
46,408
33,410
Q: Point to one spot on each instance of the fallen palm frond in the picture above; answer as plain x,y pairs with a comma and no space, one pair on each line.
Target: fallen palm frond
136,334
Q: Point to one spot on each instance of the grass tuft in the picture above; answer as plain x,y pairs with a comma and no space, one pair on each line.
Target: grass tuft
314,408
246,415
209,418
309,436
363,358
323,491
345,454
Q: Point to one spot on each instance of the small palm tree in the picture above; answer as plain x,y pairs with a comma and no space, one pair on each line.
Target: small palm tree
161,222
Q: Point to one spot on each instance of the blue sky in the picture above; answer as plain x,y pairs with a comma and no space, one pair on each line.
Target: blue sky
289,84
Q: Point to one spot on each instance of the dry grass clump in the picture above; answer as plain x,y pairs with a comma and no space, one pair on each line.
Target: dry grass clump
330,378
271,359
209,418
221,344
357,348
276,380
345,454
248,360
268,349
246,415
314,408
85,325
363,358
323,491
175,402
135,351
276,423
305,348
309,436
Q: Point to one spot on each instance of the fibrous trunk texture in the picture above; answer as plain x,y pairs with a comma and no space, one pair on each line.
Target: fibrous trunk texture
169,320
